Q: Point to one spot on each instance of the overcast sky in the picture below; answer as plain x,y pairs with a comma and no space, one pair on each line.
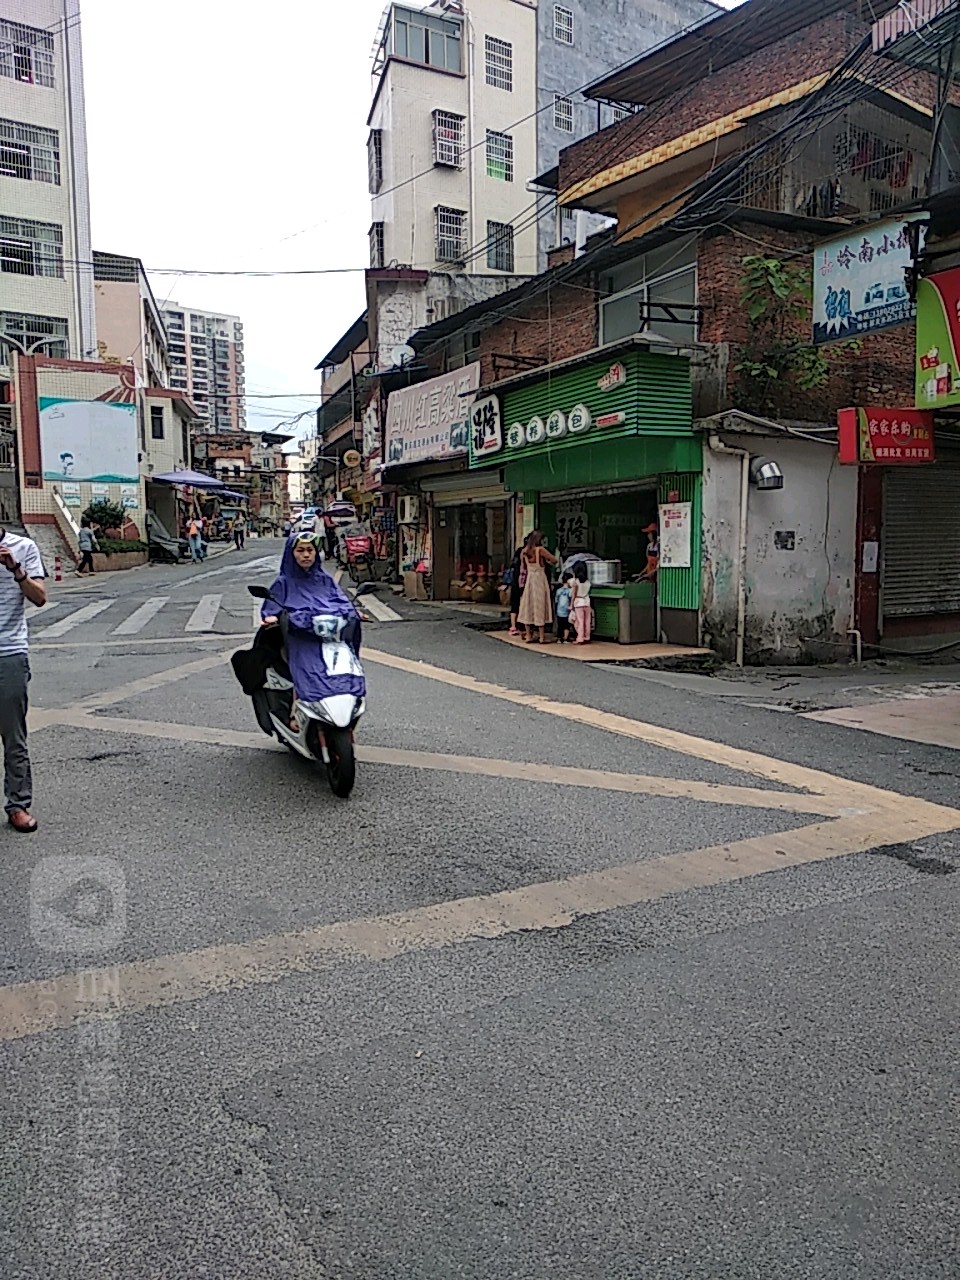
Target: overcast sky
220,141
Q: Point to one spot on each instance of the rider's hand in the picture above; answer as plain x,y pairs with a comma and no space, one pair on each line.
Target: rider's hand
269,622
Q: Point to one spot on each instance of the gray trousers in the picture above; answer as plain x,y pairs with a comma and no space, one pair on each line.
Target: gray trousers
17,776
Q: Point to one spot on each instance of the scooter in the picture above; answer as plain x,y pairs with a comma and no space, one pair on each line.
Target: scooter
324,729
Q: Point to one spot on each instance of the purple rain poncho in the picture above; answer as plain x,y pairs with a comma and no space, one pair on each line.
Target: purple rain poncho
318,667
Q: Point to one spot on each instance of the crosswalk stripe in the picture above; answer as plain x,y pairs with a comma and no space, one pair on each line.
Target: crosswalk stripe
74,619
205,614
140,617
379,610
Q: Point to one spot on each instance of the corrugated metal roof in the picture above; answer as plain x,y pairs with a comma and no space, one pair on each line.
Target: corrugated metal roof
720,42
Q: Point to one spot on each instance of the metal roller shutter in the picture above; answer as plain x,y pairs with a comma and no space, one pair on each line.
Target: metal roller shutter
921,541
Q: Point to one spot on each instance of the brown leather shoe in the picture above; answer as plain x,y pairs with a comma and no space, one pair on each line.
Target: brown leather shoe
22,821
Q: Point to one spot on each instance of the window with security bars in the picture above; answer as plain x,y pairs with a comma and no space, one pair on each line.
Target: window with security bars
499,246
620,113
376,246
499,156
26,54
563,114
33,331
29,152
29,248
562,24
451,225
375,160
448,139
498,63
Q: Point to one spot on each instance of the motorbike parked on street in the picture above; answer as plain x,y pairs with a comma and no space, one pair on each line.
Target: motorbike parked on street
321,730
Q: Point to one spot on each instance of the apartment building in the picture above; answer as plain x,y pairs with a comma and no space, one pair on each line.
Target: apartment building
207,363
130,328
471,102
46,285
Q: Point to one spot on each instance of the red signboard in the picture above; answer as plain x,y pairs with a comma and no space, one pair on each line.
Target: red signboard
886,437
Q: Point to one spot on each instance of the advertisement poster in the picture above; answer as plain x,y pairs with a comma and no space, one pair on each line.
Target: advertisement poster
938,340
99,491
859,284
676,522
890,437
431,421
92,440
486,436
71,495
130,497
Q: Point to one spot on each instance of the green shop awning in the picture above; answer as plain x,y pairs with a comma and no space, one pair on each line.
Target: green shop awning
604,461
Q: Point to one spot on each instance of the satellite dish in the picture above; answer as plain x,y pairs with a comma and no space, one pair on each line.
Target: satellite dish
402,355
351,458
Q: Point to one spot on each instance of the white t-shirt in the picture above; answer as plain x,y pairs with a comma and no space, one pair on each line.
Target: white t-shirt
13,611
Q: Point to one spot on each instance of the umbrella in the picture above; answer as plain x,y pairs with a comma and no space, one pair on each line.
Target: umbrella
234,497
192,478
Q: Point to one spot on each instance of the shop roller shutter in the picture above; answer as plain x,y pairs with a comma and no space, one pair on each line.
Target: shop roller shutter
921,541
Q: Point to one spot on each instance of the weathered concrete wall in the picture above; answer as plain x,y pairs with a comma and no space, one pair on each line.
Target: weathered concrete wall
800,553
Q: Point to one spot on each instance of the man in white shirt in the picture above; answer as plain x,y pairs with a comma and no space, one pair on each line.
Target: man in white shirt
21,579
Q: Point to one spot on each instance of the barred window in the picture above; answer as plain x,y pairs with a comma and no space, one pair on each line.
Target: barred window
451,224
448,139
29,248
26,54
375,160
499,156
563,114
498,63
30,330
376,246
620,113
562,24
499,246
29,152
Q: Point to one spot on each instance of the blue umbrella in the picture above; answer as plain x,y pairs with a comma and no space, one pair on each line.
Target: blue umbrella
192,478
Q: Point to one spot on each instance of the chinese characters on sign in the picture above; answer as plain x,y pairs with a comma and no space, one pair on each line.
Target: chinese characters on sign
571,525
859,284
432,420
487,437
675,526
889,437
938,339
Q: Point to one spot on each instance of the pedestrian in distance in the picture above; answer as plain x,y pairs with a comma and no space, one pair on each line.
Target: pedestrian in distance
239,532
87,544
563,603
21,579
582,608
195,539
536,611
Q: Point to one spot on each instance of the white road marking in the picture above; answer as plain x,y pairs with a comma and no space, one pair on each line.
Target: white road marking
205,614
262,563
74,619
379,609
140,617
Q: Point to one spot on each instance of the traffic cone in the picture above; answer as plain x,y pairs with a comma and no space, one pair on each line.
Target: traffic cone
57,569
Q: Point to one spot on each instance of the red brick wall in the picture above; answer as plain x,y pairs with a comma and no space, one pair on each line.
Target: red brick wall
881,373
555,325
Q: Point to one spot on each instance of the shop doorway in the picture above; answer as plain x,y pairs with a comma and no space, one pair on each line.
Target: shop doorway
471,545
609,523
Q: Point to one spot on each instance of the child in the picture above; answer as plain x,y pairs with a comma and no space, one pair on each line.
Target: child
563,603
582,609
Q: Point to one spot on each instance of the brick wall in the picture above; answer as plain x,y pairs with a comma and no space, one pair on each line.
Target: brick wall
555,325
881,373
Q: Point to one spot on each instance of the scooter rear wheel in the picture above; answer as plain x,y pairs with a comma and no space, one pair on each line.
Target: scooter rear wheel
342,766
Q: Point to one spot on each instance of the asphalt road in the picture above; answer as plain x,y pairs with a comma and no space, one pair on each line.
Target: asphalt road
593,976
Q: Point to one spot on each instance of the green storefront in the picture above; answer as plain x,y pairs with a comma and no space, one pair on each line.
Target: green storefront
599,449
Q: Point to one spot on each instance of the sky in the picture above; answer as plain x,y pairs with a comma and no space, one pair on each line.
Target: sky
219,142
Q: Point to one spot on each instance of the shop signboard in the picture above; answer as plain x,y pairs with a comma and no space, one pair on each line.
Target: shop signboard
571,524
638,393
486,428
676,524
885,437
431,421
859,284
129,497
938,340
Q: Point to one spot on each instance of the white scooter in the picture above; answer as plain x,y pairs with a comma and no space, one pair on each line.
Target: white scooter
324,729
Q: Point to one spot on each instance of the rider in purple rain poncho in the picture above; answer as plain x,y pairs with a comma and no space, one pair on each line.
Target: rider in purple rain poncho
317,611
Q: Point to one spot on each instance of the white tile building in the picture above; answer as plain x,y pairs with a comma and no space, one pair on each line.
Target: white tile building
46,276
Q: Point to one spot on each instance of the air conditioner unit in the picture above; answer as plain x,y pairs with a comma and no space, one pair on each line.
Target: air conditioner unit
409,509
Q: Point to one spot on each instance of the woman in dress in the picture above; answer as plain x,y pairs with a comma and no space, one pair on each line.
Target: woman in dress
536,611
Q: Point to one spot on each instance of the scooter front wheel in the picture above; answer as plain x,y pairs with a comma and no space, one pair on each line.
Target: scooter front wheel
342,764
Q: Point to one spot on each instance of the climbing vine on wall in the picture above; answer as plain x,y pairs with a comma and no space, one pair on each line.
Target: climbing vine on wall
777,298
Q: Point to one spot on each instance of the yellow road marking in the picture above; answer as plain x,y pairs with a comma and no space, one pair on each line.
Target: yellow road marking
31,1008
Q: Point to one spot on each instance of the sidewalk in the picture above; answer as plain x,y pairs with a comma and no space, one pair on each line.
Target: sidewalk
608,651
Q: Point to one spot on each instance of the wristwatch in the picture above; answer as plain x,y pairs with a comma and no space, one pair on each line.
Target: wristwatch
18,568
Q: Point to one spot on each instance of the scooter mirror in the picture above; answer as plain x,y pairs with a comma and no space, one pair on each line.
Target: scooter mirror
260,593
